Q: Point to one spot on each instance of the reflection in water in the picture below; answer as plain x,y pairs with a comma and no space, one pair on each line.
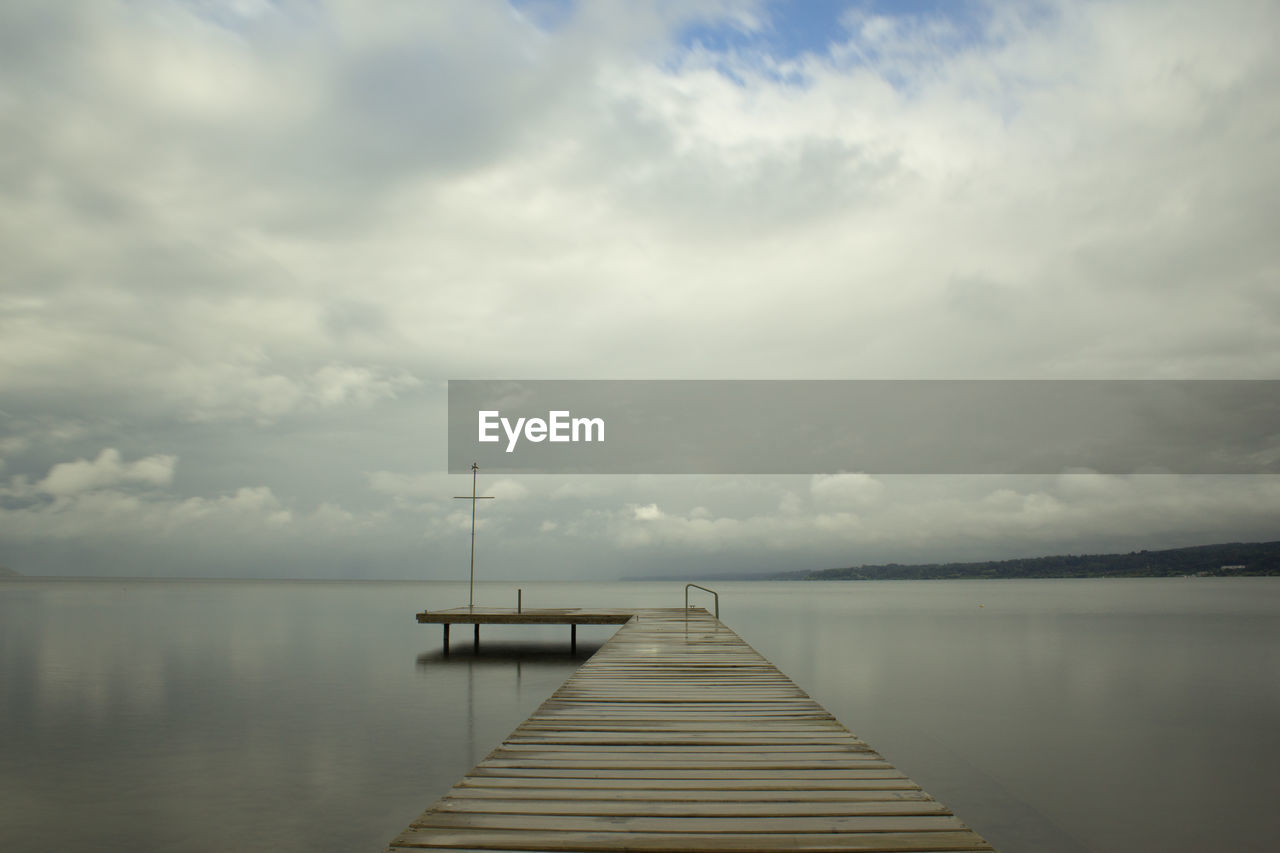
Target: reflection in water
1051,715
503,658
218,716
1103,715
509,654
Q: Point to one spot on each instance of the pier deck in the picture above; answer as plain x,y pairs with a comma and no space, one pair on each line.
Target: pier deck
677,735
477,616
526,616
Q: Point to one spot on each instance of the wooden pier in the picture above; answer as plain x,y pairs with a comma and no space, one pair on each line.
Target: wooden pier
677,735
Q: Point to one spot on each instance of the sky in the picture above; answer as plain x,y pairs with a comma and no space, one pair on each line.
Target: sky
244,245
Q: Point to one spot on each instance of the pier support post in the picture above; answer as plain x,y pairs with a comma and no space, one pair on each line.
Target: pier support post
477,642
573,639
446,638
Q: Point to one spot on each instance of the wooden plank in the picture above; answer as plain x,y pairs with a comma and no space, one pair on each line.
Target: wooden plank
811,843
755,824
723,749
521,748
702,808
865,781
822,728
712,795
585,842
678,765
879,771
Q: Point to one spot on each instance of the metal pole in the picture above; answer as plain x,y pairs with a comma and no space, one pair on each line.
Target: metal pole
473,497
471,594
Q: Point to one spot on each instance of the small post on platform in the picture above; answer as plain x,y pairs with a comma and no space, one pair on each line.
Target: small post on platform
519,600
446,639
573,639
477,643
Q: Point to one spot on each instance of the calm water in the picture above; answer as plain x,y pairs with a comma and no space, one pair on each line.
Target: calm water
1050,715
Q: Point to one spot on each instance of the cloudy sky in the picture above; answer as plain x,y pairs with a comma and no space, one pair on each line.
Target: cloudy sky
245,244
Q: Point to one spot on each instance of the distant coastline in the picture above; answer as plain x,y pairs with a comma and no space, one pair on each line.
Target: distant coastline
1235,559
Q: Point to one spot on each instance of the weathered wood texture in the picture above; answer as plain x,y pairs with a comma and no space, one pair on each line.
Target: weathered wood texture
526,616
677,735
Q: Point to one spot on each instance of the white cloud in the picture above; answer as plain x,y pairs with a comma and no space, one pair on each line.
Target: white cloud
111,498
922,519
108,515
511,490
581,489
790,503
335,385
13,444
401,485
108,469
648,512
245,390
845,490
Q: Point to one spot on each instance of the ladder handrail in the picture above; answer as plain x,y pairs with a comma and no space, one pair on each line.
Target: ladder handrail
704,589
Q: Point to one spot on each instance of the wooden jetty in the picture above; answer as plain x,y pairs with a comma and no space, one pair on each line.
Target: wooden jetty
677,735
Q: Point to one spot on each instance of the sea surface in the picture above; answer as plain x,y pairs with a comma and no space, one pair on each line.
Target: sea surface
1071,715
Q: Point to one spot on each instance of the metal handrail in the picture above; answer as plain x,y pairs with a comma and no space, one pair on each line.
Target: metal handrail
704,589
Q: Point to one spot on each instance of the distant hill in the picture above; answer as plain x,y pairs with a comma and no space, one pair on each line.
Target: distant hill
1235,559
693,575
8,574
